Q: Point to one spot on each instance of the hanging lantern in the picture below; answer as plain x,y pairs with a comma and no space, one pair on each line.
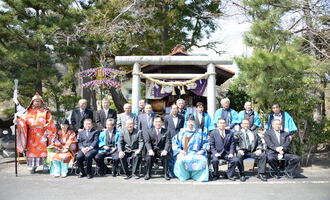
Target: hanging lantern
99,74
173,91
182,90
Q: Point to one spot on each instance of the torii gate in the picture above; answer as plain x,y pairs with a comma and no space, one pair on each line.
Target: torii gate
210,61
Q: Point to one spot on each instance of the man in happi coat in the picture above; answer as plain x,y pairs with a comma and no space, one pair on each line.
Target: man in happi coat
226,113
288,124
33,130
190,148
249,114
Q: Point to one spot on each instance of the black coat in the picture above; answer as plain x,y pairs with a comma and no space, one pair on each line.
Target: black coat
100,117
151,142
90,141
272,141
77,120
128,145
169,124
241,144
220,146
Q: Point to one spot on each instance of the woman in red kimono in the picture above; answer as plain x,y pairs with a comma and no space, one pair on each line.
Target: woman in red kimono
33,130
63,146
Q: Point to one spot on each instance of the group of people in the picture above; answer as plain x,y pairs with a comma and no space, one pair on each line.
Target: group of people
186,143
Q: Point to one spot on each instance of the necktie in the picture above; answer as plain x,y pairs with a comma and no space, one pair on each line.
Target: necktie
222,134
148,119
247,139
87,133
82,113
158,134
278,137
106,114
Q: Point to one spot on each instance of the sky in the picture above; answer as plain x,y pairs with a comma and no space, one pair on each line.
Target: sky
230,32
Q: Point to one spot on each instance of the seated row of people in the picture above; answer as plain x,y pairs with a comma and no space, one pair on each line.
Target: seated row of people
189,149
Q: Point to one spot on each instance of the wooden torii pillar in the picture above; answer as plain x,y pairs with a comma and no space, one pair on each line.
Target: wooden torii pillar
137,61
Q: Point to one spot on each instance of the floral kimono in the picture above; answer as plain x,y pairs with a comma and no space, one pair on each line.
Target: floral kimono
61,151
33,130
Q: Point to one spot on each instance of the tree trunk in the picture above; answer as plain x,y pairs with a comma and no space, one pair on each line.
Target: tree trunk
118,98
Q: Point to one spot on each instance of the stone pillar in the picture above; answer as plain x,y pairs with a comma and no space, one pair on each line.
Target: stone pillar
211,91
136,87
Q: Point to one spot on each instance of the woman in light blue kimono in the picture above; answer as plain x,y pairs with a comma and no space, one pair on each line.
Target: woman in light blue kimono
191,161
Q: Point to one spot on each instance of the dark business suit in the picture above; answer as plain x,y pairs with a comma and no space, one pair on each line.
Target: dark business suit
77,119
157,144
170,126
272,143
129,143
223,146
84,140
101,117
249,151
143,124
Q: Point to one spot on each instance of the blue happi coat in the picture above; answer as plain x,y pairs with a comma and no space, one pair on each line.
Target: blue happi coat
233,120
190,164
102,140
256,119
288,124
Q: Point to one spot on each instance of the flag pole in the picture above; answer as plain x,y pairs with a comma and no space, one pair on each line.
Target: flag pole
15,117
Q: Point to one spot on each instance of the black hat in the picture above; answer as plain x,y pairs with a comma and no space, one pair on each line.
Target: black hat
64,121
190,117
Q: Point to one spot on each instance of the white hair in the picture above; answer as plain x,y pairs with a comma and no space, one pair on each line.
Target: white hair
224,100
81,101
180,100
129,120
127,104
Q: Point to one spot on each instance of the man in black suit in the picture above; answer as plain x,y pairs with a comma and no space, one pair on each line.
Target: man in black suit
249,145
130,146
87,148
278,147
223,147
174,122
158,143
78,116
145,119
104,114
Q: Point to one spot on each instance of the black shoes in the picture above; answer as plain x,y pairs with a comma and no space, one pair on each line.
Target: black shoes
147,177
81,175
89,176
232,178
288,175
242,178
262,177
135,176
114,174
277,175
167,177
127,177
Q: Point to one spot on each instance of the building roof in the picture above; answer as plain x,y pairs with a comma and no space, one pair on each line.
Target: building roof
223,74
